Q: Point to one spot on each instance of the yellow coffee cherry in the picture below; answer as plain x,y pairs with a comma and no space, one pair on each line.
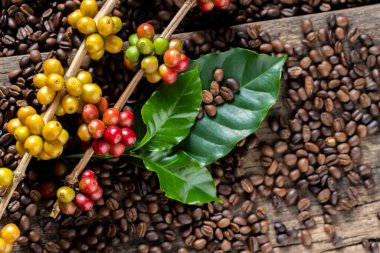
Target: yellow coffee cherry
70,104
35,123
74,86
105,26
44,156
94,43
74,17
89,8
97,55
154,77
21,133
52,130
86,25
2,245
8,247
39,80
34,145
52,66
84,77
53,148
117,24
55,82
24,112
10,233
113,44
63,137
13,124
20,148
81,105
60,112
91,93
45,95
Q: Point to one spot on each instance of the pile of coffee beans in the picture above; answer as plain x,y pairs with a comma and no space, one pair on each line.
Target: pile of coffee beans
218,94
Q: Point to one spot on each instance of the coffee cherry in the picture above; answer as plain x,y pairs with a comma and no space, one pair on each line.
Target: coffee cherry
183,63
153,77
113,134
176,44
168,74
90,112
13,124
206,5
145,46
132,39
74,86
96,56
83,133
132,53
117,24
113,44
81,105
97,195
65,194
67,208
52,66
60,112
145,30
88,185
105,26
52,130
91,93
35,123
96,128
94,43
83,202
24,112
89,8
160,45
59,168
10,233
111,117
102,105
53,148
101,147
222,4
70,104
172,57
130,65
2,245
149,64
63,137
20,148
74,17
84,77
39,80
117,150
43,156
48,189
21,133
128,137
126,119
45,95
86,25
89,174
33,145
6,177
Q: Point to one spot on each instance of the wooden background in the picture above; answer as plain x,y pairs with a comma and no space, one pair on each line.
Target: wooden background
354,226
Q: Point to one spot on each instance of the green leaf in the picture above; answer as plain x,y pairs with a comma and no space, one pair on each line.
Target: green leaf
170,112
259,77
181,177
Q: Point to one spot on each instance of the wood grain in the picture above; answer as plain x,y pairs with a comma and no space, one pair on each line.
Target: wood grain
354,226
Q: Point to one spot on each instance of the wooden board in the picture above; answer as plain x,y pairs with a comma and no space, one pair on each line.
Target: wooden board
353,226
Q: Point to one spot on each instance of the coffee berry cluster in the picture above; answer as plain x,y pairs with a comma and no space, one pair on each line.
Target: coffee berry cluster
101,35
167,60
208,5
111,133
43,141
8,235
89,192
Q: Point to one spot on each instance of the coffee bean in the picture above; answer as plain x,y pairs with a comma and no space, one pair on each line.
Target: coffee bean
232,84
227,94
303,204
214,89
218,75
207,97
306,238
210,110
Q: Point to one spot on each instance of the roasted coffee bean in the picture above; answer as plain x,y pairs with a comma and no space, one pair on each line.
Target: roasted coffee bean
227,93
207,97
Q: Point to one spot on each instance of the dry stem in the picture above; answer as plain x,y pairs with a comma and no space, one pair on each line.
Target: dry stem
19,173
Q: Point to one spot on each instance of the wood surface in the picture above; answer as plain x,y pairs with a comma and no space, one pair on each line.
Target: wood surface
354,226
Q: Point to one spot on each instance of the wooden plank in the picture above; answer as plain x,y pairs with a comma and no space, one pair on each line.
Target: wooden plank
360,223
